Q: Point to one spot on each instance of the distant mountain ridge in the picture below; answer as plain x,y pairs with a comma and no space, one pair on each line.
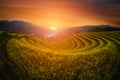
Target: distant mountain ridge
22,27
95,28
28,28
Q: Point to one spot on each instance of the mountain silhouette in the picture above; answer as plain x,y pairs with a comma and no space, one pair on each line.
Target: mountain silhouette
94,28
23,27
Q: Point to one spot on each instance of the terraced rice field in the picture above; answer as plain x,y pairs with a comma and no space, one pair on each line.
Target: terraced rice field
81,56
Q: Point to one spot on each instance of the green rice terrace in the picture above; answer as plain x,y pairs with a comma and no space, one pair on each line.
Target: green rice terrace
81,56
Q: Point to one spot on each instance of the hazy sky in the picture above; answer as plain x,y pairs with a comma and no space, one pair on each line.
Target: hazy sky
62,13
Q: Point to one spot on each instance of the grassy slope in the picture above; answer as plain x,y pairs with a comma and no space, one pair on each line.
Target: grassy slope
32,58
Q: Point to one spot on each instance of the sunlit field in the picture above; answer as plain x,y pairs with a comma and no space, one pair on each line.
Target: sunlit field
81,56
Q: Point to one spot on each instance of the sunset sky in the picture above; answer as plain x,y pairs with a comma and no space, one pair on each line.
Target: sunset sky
62,13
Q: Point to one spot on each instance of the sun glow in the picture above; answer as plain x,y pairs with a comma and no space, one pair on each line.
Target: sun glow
53,28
